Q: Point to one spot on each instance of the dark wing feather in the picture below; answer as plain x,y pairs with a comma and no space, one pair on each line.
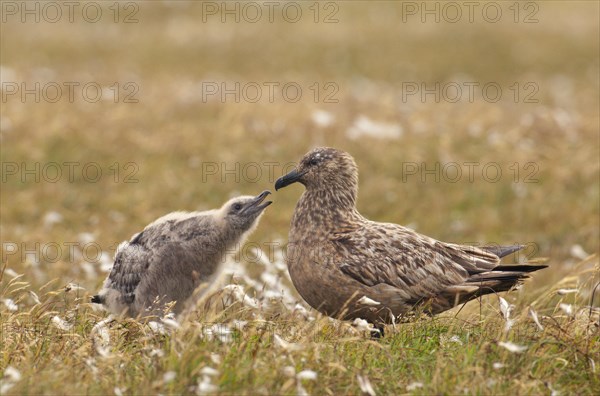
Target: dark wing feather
131,261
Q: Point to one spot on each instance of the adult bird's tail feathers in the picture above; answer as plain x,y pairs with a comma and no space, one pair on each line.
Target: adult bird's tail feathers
520,267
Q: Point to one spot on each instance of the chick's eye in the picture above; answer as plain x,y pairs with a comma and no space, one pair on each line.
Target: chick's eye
313,162
237,206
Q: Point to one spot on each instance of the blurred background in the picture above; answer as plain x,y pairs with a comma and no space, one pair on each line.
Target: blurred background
472,123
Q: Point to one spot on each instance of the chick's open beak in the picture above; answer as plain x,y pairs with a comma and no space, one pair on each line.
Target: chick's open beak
257,204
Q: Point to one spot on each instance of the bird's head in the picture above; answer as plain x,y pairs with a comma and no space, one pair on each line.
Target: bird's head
324,168
241,213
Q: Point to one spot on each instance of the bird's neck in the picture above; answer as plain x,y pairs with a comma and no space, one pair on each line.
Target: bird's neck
328,208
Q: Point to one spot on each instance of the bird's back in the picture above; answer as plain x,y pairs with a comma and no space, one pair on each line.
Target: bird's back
167,259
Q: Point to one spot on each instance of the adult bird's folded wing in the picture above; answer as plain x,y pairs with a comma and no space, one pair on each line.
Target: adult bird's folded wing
399,257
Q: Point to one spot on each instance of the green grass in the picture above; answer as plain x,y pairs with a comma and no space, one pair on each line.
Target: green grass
171,133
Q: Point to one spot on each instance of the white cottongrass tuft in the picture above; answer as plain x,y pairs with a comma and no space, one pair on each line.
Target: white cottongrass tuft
85,238
35,297
215,358
365,385
535,318
364,300
101,337
286,346
73,286
514,348
238,293
169,376
363,325
578,252
322,118
562,292
170,322
414,385
10,305
444,340
10,272
505,309
157,352
364,126
52,218
289,371
307,375
61,323
211,372
9,377
157,328
566,308
206,386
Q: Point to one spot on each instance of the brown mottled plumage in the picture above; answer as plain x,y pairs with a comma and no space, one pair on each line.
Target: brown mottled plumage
173,255
336,256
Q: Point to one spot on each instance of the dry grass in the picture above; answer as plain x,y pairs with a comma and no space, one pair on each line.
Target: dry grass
171,135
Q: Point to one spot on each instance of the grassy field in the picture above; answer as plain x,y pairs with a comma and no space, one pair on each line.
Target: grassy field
470,131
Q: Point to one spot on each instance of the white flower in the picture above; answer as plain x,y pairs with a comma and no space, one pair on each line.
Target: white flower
364,126
61,323
363,325
85,238
10,272
364,300
170,323
322,118
514,348
211,372
157,352
73,286
414,385
506,309
365,385
35,297
307,375
52,218
11,374
216,359
169,376
157,328
289,371
206,386
535,318
567,308
237,292
286,346
562,292
10,304
578,252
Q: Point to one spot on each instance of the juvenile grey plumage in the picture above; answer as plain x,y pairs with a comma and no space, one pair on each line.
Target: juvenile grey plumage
173,255
336,256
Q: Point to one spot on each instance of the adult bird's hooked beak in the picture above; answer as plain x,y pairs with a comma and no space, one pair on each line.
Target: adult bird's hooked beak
288,179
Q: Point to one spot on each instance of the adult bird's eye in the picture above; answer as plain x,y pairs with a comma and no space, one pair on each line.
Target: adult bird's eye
237,206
